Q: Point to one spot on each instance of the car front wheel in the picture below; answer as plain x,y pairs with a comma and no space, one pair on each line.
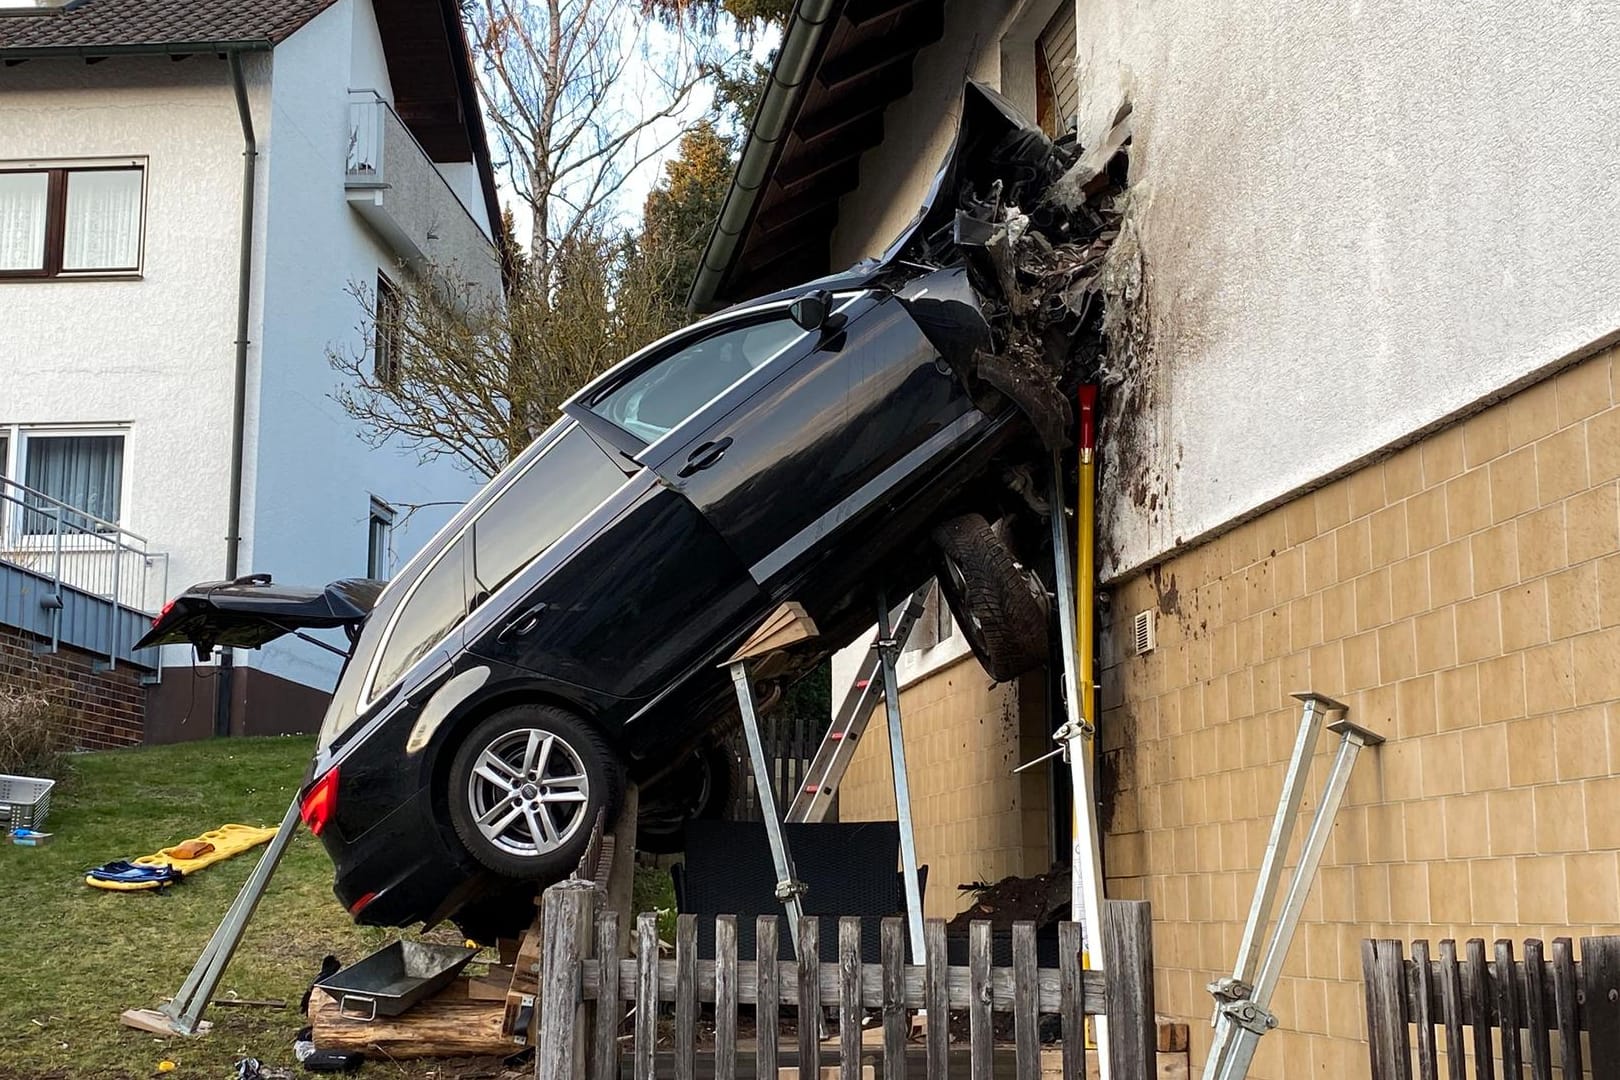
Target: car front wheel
1000,605
525,788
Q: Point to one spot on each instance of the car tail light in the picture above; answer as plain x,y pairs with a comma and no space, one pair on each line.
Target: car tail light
359,905
321,802
164,613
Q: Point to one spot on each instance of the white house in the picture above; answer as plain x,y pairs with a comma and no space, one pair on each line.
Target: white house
188,190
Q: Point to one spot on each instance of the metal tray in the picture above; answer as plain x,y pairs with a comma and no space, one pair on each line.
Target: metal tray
391,980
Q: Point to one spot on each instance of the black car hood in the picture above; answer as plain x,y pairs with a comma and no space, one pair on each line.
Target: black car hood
248,612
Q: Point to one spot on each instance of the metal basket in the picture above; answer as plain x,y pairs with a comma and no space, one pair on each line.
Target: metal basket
24,802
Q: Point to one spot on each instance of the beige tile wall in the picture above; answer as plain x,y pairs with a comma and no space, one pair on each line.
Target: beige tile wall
1463,597
975,819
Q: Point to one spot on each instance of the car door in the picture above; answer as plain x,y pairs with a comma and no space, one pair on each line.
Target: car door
588,570
823,434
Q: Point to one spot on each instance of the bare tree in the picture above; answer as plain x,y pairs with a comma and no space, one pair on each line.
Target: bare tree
475,383
581,94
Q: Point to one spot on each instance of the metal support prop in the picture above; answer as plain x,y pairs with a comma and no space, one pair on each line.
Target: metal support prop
1075,738
789,888
888,651
1243,1000
186,1008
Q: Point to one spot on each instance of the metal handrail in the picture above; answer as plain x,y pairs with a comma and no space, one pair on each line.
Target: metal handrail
46,503
74,548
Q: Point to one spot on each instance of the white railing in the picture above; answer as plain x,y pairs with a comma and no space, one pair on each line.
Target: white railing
81,551
367,114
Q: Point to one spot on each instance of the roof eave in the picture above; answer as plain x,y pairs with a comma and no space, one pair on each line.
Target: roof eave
154,48
795,63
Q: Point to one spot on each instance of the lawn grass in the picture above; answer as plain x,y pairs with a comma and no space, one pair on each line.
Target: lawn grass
72,958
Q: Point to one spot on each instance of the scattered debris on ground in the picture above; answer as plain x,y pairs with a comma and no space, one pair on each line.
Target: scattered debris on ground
1042,899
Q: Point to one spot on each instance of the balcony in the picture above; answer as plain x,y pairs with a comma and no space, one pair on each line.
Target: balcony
395,186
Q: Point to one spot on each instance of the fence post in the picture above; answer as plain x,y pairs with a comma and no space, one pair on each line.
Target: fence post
567,911
1600,987
1384,969
1127,953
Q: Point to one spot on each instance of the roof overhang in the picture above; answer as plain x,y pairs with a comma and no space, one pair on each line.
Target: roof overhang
841,64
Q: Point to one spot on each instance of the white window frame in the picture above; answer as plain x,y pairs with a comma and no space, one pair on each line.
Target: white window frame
926,653
14,468
87,163
381,512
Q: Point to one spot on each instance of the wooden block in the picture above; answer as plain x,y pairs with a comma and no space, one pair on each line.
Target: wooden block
490,987
826,1072
1174,1036
157,1023
788,625
438,1027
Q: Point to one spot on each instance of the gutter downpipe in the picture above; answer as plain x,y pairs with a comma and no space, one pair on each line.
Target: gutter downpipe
801,44
244,290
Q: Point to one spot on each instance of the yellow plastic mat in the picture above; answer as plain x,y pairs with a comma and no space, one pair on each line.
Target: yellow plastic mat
228,841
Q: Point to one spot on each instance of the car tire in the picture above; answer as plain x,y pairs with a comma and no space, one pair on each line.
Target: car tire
715,769
527,770
1000,605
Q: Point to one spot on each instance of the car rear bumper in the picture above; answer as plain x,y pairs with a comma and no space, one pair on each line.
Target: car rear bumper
399,871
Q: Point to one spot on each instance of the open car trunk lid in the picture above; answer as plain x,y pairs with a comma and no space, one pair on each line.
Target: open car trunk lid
250,611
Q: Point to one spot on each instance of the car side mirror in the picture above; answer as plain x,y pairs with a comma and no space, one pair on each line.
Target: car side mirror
812,310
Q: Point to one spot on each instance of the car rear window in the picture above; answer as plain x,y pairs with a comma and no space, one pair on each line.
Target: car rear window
436,604
555,493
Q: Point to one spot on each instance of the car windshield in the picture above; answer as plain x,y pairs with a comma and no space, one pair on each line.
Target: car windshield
672,388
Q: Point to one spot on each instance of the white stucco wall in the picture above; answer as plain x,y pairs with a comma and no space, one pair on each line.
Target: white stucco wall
154,353
313,476
1356,219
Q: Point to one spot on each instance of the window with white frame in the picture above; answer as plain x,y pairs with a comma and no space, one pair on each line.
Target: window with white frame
71,219
379,540
67,469
386,343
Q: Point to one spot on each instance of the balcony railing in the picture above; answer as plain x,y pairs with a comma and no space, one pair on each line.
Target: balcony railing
394,184
78,550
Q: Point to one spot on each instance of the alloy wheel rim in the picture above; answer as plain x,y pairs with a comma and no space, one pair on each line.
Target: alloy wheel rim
528,792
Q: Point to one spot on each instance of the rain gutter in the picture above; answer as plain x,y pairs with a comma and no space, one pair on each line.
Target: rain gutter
807,30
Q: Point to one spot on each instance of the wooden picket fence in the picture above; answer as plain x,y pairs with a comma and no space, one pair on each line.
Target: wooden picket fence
1526,1003
588,991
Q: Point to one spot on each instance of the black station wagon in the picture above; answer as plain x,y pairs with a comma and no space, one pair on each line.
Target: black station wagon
563,634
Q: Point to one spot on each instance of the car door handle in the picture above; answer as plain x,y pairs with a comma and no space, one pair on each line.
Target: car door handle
523,624
704,456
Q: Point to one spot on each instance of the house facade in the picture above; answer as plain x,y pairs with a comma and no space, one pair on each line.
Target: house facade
1364,440
189,194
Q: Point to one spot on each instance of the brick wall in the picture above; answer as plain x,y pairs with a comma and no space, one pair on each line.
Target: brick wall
975,820
105,709
1463,597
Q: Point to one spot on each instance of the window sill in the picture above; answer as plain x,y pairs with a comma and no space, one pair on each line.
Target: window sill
922,663
88,275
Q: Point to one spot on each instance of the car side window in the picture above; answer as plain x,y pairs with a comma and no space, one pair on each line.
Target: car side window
660,397
436,604
564,484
